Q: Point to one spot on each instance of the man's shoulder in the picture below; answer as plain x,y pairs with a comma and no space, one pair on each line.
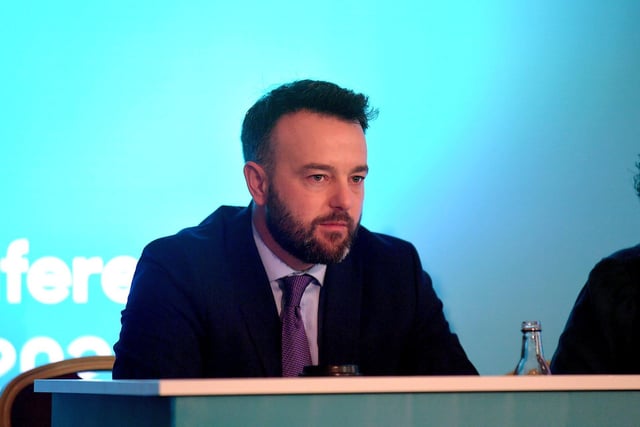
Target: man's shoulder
623,258
224,221
620,270
627,255
380,244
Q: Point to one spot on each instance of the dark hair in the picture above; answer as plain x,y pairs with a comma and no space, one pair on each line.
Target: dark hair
312,95
636,179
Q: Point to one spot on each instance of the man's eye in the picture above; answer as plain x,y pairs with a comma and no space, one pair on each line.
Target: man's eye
357,179
318,178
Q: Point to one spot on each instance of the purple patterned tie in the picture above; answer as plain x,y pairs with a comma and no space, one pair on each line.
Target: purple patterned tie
295,347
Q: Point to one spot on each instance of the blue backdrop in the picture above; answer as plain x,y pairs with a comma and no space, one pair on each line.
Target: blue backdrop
504,148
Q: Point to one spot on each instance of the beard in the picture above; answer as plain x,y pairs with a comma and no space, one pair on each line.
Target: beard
299,239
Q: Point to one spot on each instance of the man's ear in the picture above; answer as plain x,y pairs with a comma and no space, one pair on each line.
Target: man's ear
257,182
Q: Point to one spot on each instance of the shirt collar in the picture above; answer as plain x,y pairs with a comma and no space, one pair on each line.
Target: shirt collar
276,268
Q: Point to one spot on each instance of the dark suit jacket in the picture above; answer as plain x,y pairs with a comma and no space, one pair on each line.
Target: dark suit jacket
602,334
201,306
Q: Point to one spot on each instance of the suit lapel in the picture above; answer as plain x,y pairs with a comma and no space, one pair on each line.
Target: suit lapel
253,293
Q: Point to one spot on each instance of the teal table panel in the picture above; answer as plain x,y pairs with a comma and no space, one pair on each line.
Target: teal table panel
478,409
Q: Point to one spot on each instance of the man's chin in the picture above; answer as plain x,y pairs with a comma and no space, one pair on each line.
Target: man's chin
336,251
331,245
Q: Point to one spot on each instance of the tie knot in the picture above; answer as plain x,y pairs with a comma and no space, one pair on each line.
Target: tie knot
294,287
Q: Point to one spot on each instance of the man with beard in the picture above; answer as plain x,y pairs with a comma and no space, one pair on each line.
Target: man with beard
210,300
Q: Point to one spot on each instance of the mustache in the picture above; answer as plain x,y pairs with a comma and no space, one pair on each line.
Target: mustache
335,216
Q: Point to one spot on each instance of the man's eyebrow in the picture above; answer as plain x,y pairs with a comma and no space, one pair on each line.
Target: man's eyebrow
329,168
361,169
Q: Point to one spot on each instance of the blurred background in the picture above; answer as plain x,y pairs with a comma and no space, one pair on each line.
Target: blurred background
505,148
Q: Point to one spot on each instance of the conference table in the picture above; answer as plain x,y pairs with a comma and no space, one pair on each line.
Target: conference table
598,400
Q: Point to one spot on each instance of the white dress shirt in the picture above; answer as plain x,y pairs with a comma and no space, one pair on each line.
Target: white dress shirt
277,269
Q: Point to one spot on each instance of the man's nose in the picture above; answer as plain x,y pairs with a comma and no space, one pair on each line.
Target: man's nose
342,196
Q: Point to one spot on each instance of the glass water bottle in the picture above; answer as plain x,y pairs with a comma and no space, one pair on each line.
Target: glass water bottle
532,361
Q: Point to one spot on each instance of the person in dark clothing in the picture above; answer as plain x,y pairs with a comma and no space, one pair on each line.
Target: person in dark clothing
602,334
207,302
